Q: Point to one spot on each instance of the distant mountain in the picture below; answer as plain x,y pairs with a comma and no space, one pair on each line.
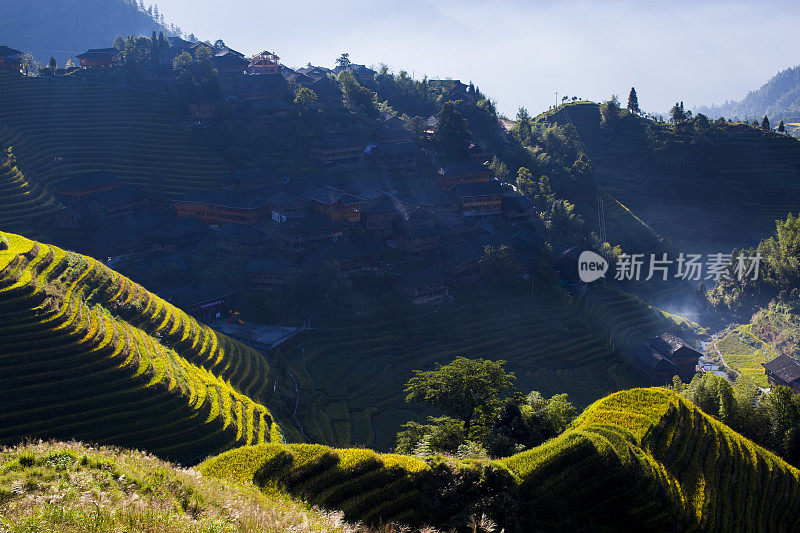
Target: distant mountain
66,28
779,99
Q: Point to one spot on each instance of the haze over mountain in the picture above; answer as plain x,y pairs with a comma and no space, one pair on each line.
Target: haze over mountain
521,53
66,28
779,99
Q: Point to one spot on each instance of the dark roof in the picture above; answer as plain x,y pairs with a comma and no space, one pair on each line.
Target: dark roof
653,360
328,195
226,51
667,344
225,199
99,53
423,276
238,233
178,42
202,294
784,367
269,266
227,59
466,167
383,204
314,72
528,236
398,148
88,181
488,188
6,51
432,198
311,223
282,199
517,203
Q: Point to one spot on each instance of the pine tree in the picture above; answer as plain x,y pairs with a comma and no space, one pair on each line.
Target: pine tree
765,124
52,63
781,127
633,102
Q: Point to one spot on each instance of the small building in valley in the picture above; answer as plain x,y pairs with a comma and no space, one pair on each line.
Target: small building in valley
335,203
339,153
268,274
480,199
783,371
204,302
665,356
220,207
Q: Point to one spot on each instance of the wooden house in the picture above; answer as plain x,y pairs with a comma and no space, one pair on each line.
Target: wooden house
480,199
397,157
285,206
353,256
517,208
119,203
313,230
244,241
268,274
783,371
335,203
442,201
461,263
87,184
339,153
205,302
417,238
10,59
99,58
220,207
665,356
202,109
265,63
424,285
229,63
378,216
453,174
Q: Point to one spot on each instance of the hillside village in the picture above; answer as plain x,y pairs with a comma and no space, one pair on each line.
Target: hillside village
365,199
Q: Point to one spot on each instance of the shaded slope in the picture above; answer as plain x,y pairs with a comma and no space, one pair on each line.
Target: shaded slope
352,379
86,353
711,191
59,128
644,459
65,28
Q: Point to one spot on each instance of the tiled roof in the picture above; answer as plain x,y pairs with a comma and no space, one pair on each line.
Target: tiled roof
785,367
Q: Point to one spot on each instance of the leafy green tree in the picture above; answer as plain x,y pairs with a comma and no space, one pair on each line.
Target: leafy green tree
343,62
499,169
633,102
196,73
498,267
442,434
765,123
304,98
119,43
677,114
357,98
525,182
451,134
463,388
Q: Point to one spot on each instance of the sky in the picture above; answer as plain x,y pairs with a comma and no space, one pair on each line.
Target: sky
519,52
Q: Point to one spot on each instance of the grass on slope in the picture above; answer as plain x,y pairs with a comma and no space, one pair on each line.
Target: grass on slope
58,128
85,353
70,487
744,352
352,379
643,458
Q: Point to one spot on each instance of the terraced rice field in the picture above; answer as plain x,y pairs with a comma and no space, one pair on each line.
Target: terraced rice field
88,354
58,128
744,352
642,456
352,379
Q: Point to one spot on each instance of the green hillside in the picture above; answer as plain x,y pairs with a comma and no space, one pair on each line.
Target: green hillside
75,488
58,128
644,459
704,187
352,379
88,354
